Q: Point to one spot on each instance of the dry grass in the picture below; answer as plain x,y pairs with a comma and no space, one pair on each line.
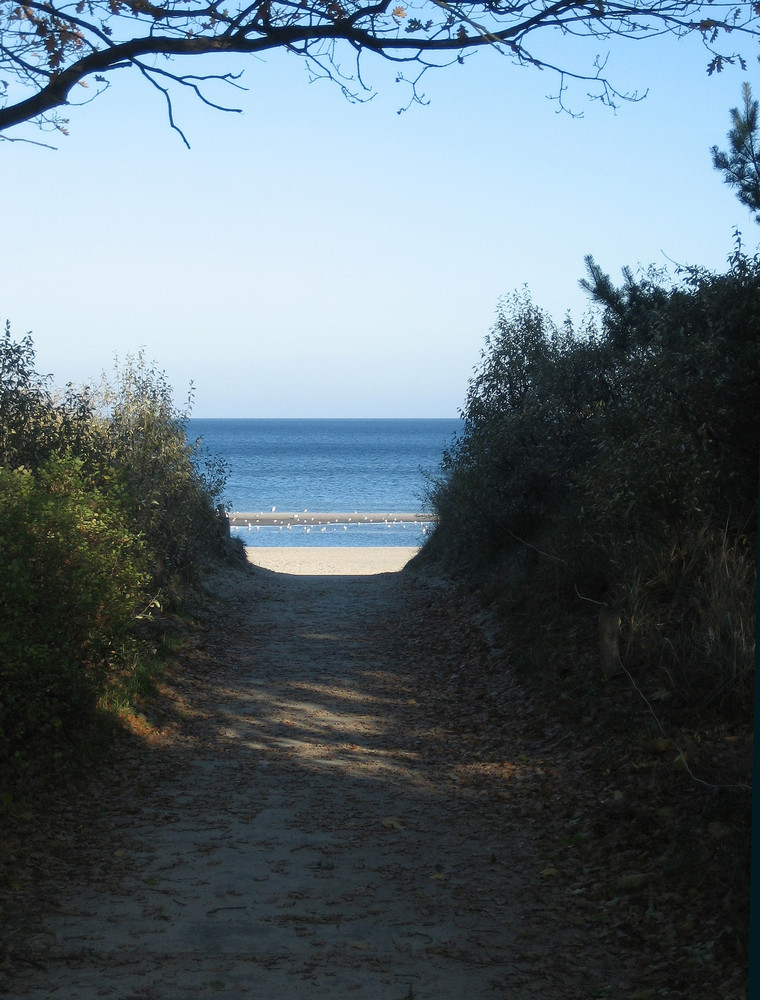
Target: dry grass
689,619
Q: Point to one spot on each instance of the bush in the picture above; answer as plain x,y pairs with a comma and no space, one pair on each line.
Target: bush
525,432
71,583
105,508
679,433
624,456
35,424
172,495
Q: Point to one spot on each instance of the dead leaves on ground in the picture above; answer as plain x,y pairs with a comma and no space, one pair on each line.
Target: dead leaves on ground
643,844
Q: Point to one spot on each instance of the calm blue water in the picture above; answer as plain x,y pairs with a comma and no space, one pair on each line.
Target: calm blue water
328,465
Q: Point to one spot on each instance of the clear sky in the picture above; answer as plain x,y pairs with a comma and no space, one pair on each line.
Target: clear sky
311,257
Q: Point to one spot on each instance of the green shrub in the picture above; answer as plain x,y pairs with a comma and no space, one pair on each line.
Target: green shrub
171,494
71,583
528,430
106,510
132,441
35,424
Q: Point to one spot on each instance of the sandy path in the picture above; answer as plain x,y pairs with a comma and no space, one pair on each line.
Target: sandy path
302,827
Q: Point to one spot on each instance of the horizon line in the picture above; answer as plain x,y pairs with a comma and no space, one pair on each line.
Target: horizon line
197,417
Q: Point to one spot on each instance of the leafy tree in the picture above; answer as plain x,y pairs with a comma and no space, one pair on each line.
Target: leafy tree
54,47
741,164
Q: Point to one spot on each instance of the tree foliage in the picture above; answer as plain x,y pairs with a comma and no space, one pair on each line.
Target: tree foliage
51,49
741,164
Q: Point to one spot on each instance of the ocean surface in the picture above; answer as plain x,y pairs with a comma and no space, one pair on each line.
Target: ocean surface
378,466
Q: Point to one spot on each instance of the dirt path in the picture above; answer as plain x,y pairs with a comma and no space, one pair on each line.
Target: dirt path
300,824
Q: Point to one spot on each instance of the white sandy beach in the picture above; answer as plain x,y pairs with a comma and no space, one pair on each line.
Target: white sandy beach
332,560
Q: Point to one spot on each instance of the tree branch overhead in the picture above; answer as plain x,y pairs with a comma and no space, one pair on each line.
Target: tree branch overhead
48,47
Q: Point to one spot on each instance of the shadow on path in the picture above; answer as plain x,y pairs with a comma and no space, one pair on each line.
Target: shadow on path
304,825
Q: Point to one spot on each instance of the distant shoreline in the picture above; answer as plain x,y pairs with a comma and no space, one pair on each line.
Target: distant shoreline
241,519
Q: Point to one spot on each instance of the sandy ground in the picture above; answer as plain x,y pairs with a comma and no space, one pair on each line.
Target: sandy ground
298,822
332,561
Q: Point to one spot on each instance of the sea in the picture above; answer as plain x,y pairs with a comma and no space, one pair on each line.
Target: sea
330,465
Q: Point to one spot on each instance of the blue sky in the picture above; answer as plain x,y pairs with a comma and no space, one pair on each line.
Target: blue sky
311,257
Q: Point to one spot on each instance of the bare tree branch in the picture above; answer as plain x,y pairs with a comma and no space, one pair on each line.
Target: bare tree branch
48,47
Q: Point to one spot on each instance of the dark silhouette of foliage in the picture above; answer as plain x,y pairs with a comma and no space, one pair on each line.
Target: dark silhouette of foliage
623,456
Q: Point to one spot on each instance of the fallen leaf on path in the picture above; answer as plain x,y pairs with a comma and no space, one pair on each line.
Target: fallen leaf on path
632,881
393,823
